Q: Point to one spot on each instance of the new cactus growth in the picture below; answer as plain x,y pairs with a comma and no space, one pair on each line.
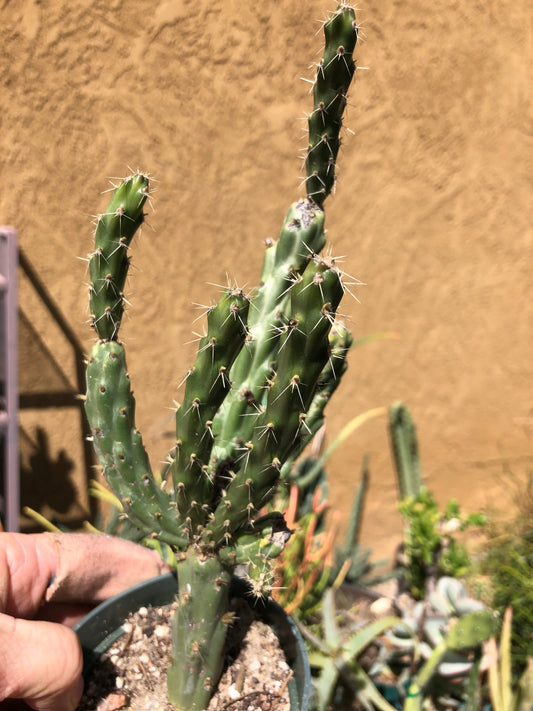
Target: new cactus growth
254,397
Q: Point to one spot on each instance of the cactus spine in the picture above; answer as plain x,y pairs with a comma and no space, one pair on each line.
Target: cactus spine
253,399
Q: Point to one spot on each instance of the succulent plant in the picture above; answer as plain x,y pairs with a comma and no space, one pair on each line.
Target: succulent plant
254,397
336,647
435,649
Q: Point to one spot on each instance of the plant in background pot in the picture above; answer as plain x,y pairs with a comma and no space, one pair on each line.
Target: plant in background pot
254,397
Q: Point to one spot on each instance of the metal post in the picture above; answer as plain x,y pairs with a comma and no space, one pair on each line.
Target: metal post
9,406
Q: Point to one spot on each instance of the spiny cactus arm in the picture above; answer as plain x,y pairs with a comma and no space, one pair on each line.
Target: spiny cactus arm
303,353
340,342
405,450
304,350
110,408
334,75
108,263
206,387
302,235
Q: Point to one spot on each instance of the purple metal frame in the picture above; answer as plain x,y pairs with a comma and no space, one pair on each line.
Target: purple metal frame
9,403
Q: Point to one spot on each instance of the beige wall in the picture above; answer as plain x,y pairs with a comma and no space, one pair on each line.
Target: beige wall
432,212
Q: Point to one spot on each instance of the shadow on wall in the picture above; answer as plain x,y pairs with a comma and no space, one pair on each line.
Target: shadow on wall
45,479
56,458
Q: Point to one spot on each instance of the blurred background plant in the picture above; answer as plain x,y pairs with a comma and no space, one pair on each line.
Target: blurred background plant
503,573
506,695
431,546
382,641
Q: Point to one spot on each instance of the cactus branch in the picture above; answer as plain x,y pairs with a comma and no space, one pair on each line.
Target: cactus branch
108,263
334,75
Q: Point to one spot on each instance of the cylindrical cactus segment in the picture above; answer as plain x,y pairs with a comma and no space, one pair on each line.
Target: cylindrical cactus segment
302,236
334,75
199,628
207,385
303,353
110,408
108,263
340,342
404,445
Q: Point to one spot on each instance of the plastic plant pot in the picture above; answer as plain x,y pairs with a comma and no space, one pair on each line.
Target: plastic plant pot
99,629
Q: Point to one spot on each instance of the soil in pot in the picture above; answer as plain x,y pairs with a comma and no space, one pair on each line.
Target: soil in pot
131,675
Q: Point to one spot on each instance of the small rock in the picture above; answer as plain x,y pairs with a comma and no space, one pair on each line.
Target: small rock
113,702
381,608
233,692
162,631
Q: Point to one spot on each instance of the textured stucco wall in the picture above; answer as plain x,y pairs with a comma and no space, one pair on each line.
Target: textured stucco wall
432,212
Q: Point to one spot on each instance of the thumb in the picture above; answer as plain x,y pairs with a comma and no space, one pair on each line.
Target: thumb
41,663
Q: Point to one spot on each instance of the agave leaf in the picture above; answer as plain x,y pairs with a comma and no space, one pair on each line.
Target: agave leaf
331,629
361,638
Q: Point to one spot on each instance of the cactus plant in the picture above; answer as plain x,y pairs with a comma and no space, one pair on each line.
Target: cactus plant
253,398
404,444
431,548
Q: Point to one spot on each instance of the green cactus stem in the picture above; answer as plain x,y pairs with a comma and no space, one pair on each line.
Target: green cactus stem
108,263
334,75
303,354
110,408
302,236
207,385
199,629
340,342
405,450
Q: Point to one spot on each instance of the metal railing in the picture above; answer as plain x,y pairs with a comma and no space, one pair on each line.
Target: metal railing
9,405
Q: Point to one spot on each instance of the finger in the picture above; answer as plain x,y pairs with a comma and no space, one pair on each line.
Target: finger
27,567
41,663
69,567
93,567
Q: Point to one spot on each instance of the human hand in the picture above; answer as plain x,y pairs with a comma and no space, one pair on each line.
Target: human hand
51,578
